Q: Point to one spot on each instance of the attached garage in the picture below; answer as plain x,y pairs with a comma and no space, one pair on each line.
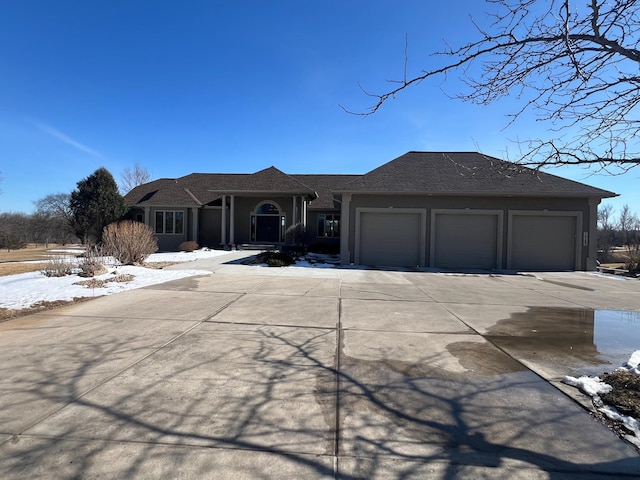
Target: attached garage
544,240
466,239
390,237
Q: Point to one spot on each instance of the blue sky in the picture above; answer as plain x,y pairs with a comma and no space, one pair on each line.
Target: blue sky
226,86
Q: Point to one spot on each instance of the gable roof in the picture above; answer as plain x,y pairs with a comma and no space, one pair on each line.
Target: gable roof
467,173
162,192
197,189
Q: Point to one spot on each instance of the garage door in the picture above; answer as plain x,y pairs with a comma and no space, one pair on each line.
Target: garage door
389,238
465,241
543,242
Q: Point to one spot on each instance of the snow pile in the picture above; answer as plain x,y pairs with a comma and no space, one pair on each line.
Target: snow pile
632,364
594,387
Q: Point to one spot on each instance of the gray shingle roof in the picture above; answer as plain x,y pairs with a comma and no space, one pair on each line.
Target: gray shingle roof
469,173
323,185
162,192
440,173
203,188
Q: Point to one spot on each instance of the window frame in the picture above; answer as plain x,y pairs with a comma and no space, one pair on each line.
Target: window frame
170,220
334,221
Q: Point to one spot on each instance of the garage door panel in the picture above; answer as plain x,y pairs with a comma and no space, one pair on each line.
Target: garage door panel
540,242
390,238
465,241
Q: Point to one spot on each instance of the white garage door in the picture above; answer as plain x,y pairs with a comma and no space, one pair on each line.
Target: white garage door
543,242
465,240
389,238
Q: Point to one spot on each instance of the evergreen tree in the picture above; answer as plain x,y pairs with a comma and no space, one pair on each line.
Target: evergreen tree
95,204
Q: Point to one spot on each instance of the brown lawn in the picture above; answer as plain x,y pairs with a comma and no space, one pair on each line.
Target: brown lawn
10,261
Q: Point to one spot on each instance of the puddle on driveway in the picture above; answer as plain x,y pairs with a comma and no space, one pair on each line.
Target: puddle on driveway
580,341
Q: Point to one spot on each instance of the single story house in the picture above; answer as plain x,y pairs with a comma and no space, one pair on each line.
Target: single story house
449,210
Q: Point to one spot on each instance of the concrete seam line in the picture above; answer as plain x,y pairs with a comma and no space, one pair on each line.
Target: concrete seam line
124,369
336,433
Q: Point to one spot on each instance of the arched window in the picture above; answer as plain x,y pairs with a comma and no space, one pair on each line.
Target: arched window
267,209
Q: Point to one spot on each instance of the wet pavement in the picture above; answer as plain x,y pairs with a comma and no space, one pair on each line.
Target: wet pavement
309,373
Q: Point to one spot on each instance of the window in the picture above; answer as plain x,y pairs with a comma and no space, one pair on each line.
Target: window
168,222
267,209
328,225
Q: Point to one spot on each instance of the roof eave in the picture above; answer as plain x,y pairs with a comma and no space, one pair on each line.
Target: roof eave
604,194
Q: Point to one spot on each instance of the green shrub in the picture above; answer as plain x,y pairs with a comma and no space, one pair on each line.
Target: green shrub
189,246
129,242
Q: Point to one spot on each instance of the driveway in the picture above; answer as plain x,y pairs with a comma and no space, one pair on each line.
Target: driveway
313,373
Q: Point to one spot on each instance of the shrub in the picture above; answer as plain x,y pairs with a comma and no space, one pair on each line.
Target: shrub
297,235
189,246
92,262
129,242
58,266
274,259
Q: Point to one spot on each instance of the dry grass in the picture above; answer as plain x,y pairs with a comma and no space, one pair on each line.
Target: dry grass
10,262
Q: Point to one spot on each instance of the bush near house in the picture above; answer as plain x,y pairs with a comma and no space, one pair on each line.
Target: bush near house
129,242
273,259
297,236
189,246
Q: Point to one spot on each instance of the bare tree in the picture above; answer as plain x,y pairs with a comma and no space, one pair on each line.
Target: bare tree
14,230
629,226
56,204
574,64
54,219
129,179
606,232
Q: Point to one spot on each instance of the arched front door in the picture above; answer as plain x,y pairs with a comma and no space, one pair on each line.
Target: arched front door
267,223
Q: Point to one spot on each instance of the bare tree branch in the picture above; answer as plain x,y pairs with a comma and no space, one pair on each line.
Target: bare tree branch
129,179
574,65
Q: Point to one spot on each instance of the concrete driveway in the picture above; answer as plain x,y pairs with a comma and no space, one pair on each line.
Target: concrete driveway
311,373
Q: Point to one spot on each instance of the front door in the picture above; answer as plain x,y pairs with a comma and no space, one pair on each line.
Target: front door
267,228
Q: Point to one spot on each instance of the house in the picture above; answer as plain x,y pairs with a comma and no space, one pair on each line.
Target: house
449,210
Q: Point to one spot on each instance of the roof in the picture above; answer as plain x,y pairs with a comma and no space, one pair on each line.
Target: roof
324,185
468,173
162,192
434,173
197,189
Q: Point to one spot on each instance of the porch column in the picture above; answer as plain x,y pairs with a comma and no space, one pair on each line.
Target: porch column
295,210
232,220
304,212
195,228
147,211
345,231
223,226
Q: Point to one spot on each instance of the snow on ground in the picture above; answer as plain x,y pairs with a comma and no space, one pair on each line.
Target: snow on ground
27,289
594,387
